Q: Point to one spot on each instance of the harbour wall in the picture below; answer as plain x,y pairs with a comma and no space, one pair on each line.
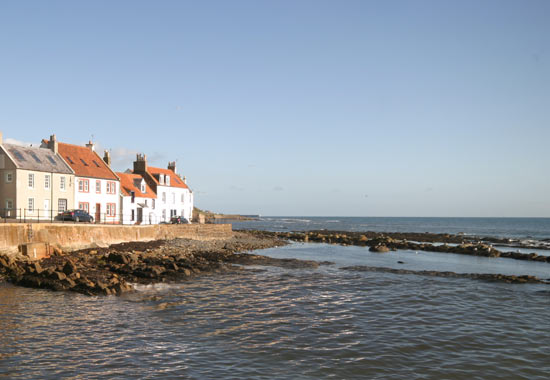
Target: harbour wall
78,236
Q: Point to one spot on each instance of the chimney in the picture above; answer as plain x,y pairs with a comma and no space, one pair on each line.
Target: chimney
90,145
107,158
184,180
140,164
53,144
172,166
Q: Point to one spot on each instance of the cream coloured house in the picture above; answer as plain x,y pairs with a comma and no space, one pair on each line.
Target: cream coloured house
35,183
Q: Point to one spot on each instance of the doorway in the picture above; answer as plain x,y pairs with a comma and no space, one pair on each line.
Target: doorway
98,212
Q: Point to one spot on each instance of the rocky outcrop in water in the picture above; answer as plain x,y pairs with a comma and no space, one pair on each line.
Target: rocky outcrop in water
113,270
477,276
384,242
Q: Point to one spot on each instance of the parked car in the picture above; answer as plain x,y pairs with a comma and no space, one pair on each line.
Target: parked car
178,220
76,215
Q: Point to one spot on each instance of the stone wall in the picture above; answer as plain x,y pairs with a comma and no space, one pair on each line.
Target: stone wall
76,236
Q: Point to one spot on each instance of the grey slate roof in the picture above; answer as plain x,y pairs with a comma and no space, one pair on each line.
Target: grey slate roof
39,159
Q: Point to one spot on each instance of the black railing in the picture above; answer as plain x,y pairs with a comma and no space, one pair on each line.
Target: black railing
25,215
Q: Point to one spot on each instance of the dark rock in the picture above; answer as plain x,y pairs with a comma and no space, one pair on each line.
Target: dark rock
69,268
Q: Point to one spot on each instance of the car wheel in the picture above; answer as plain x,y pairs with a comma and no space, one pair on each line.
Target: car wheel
91,219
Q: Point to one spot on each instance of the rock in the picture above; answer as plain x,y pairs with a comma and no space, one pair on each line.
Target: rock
37,268
69,268
379,248
60,276
120,258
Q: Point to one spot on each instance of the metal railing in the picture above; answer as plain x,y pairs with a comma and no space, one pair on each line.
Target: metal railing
25,215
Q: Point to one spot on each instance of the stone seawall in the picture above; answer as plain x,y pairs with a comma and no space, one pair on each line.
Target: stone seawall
77,236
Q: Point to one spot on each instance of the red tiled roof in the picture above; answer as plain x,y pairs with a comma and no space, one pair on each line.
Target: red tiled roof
175,180
84,161
127,184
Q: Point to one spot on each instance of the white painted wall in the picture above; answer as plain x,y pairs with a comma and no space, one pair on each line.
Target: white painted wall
93,198
149,215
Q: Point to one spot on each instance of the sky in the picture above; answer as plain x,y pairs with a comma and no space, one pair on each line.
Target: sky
317,108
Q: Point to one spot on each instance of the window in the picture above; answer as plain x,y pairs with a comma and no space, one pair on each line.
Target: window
153,203
182,198
69,159
163,197
9,177
52,160
98,186
163,214
19,155
84,206
33,155
167,180
111,187
62,205
62,183
31,181
161,179
146,203
47,181
83,185
31,204
84,162
133,215
133,195
96,164
111,209
143,188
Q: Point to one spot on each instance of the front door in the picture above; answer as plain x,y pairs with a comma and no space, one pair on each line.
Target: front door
46,208
98,212
139,215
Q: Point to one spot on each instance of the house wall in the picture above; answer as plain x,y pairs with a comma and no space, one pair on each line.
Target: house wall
39,193
92,198
173,202
149,215
7,190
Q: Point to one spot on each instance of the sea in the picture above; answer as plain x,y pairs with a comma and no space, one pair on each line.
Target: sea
279,323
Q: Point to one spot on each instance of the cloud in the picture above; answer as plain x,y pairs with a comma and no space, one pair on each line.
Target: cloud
122,158
20,143
278,188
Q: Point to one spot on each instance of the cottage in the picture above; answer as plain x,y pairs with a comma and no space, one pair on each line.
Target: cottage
96,187
174,198
138,200
35,183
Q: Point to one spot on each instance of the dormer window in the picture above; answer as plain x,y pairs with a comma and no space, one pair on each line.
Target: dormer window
167,180
143,187
161,179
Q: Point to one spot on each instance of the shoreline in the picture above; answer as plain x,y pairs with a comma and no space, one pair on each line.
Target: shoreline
115,269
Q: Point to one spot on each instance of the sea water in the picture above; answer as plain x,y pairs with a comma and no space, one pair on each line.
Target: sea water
273,323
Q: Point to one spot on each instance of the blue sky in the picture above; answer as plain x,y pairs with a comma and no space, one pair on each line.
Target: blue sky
359,108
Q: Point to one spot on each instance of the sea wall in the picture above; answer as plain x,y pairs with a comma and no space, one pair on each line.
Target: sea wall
77,236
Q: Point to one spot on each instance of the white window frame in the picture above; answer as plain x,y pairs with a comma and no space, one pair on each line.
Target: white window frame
47,181
167,180
31,181
9,177
62,183
30,204
164,197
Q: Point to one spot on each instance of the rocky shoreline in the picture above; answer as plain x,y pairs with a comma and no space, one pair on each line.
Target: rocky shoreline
384,242
115,269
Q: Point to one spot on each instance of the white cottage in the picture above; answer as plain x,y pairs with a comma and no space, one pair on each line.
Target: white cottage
174,198
137,200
